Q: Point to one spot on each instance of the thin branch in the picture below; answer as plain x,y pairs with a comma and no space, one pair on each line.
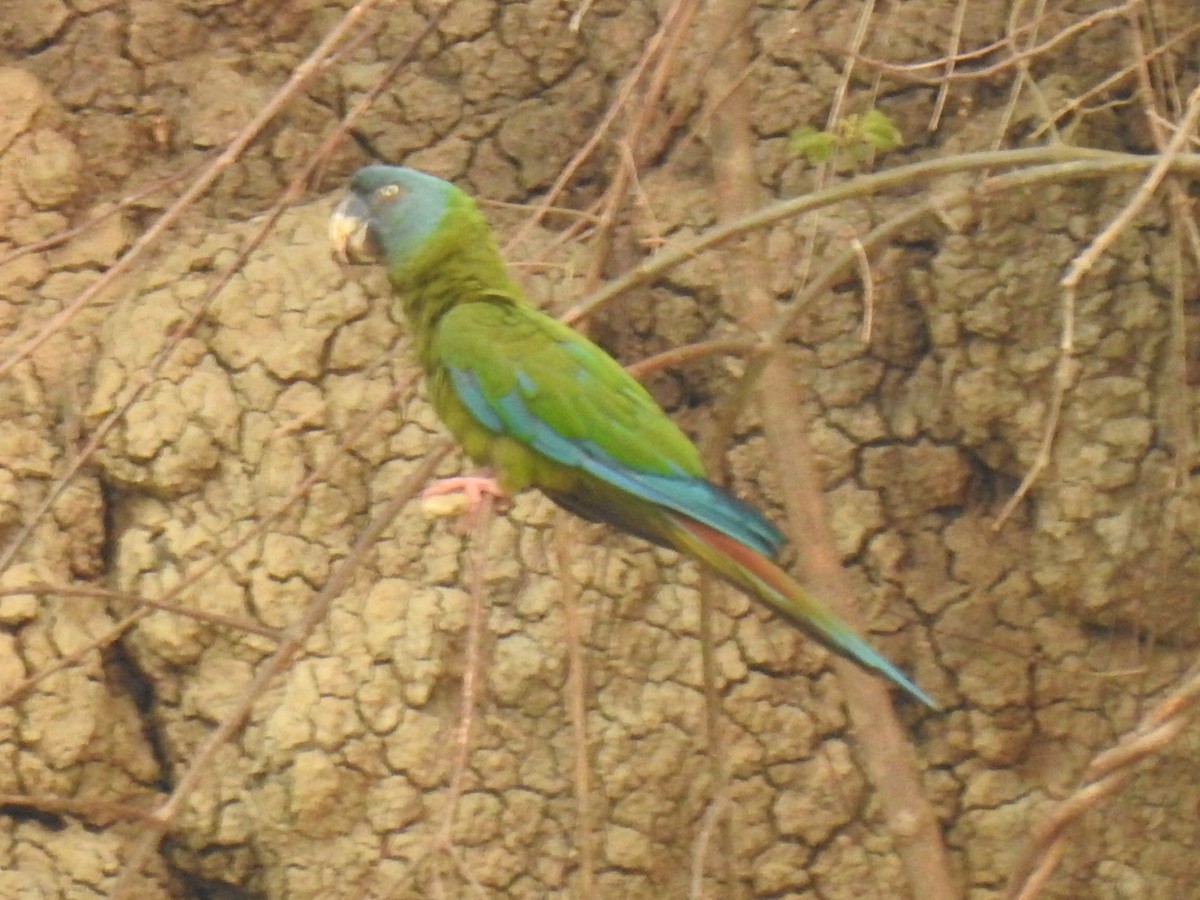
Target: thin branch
887,755
481,520
574,619
690,353
301,75
1065,372
1095,163
935,205
123,203
1067,368
674,27
911,72
717,816
95,593
75,656
1162,165
469,701
723,423
143,380
589,147
294,638
824,171
956,29
1113,80
298,493
94,812
1105,776
1178,420
1022,81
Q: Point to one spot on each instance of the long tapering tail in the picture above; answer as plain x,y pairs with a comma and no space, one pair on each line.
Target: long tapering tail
759,576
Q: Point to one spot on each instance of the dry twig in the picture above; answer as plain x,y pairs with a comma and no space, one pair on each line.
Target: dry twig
1047,163
913,71
1067,367
576,696
1105,776
888,758
301,75
293,640
481,520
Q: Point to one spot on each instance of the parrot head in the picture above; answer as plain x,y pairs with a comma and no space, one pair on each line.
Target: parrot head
389,214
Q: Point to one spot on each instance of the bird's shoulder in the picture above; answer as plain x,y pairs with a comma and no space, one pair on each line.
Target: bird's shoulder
512,350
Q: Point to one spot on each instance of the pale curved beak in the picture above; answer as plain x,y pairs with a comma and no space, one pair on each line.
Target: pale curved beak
350,232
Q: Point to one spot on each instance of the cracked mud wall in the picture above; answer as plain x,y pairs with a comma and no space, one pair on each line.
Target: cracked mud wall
82,732
1043,641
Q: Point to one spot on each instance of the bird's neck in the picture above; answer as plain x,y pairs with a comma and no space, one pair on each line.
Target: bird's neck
455,267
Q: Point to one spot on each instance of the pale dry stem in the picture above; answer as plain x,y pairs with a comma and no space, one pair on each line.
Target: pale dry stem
947,77
1082,161
888,758
911,72
867,280
716,817
1105,776
1022,81
300,77
168,601
593,142
715,813
472,669
1067,368
294,637
236,623
577,703
126,202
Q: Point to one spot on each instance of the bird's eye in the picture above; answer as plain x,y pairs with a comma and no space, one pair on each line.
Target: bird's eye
388,192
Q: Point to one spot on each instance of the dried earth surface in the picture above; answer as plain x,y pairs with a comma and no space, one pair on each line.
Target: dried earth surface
1044,641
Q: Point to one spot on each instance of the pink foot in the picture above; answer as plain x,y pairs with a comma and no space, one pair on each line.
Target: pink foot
475,488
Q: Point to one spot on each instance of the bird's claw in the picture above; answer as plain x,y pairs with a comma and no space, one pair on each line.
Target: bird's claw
474,490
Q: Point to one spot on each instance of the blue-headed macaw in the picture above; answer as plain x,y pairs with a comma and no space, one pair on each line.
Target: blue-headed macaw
544,407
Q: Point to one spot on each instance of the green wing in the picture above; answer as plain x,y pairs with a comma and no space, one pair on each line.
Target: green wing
522,375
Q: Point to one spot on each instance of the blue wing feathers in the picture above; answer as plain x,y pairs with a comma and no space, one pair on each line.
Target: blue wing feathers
466,385
510,415
528,386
